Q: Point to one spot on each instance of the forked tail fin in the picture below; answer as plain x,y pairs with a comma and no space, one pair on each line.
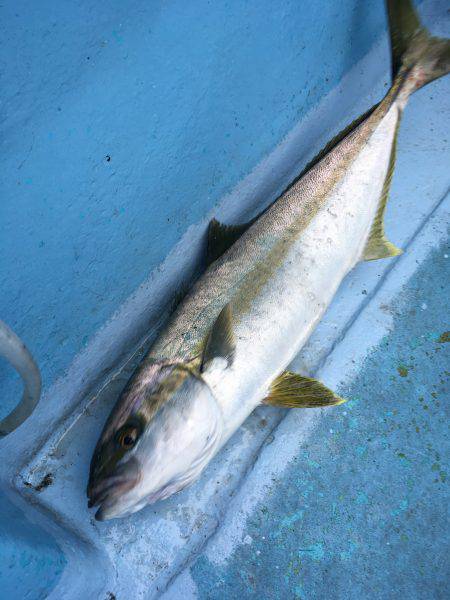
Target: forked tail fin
417,56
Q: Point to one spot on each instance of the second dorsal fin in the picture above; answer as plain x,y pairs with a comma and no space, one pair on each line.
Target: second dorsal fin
221,237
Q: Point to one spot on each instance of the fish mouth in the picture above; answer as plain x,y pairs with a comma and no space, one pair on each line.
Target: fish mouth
106,492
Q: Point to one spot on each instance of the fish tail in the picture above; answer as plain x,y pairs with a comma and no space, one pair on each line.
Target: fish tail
417,56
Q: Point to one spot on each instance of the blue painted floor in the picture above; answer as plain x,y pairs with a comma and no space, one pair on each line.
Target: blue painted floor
364,510
31,561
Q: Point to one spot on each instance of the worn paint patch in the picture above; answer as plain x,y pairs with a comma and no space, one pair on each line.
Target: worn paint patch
370,486
31,562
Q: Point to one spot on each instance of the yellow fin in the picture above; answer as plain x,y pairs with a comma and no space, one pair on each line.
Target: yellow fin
377,245
291,390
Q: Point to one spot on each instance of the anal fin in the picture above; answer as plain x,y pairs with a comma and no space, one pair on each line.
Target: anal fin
291,390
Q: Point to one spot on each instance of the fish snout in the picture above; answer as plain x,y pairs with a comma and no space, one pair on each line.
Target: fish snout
110,488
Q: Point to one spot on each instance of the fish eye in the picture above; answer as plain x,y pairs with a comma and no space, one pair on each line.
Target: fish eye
127,437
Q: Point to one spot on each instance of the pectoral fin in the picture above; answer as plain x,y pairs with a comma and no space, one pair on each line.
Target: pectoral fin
221,237
378,246
220,342
291,390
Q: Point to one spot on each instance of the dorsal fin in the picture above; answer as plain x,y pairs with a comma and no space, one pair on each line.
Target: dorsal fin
377,245
221,237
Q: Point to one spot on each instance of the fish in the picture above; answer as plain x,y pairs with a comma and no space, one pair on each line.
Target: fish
225,349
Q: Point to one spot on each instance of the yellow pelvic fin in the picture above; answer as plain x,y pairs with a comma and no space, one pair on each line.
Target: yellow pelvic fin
291,390
377,245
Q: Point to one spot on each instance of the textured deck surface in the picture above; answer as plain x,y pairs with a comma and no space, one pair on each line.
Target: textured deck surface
346,503
362,507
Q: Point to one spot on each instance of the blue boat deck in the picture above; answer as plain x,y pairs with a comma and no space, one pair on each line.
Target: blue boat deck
360,502
349,502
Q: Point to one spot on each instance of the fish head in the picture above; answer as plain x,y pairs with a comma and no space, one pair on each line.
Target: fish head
160,435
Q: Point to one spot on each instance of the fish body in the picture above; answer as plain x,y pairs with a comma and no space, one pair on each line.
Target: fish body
281,275
225,349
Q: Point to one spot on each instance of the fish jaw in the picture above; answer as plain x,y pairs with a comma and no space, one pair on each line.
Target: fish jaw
175,446
114,494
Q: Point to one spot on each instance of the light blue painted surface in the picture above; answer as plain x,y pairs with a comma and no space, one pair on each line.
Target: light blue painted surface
185,101
30,562
364,508
184,98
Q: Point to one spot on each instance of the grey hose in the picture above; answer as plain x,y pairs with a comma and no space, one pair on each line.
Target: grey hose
14,350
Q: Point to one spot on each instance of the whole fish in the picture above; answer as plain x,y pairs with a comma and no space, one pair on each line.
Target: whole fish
269,282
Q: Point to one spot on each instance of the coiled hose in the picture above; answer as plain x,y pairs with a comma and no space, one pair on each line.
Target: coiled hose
14,350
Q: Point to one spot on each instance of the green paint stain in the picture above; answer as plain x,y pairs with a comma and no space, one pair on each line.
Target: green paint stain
402,371
294,567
